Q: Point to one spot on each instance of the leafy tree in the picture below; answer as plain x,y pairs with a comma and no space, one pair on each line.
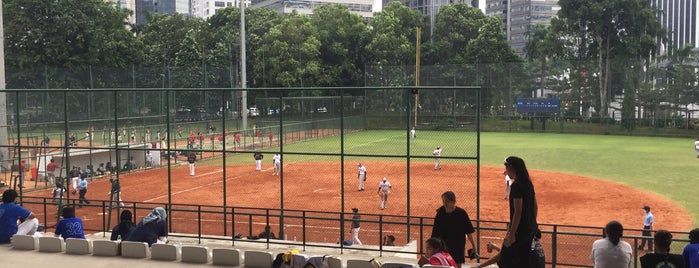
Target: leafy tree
290,53
392,42
343,36
617,27
541,45
455,26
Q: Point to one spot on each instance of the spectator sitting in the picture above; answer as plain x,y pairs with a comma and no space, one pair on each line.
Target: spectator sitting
125,226
267,233
152,228
101,170
13,212
90,170
69,226
110,168
662,257
436,254
389,240
691,251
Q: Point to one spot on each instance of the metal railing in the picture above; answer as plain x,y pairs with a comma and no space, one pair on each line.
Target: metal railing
565,245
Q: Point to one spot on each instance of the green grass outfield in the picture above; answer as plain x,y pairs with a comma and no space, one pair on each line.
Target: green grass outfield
666,166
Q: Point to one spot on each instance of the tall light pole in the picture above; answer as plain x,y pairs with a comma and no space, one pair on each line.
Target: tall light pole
3,98
243,68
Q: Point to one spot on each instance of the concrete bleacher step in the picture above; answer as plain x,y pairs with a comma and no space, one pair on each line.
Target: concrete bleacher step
105,248
51,244
225,257
258,259
25,242
195,254
77,246
164,252
137,250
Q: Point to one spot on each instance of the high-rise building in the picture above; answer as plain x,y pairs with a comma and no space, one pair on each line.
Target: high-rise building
207,8
363,8
430,8
518,16
679,18
144,7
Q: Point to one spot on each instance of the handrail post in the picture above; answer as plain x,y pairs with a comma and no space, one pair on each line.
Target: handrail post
554,242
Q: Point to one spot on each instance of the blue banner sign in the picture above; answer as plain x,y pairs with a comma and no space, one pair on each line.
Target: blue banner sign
538,105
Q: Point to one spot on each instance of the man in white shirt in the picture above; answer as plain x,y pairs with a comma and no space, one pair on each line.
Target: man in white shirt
277,164
437,153
384,190
361,176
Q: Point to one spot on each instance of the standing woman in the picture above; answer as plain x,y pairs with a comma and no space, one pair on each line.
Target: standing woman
523,210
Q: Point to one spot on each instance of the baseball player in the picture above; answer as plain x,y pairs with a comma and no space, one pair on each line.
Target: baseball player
258,161
192,158
437,153
361,176
384,190
277,159
412,133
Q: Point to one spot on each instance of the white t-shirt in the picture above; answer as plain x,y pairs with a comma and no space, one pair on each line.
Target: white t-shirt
605,254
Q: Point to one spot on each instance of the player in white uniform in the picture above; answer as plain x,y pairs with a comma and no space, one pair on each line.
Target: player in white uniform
277,164
384,190
696,146
412,133
361,176
437,153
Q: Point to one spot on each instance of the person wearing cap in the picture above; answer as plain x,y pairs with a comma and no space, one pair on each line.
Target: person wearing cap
361,176
355,227
647,228
384,190
437,153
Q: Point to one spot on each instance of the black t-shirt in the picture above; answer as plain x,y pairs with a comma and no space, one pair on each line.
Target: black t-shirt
655,260
526,193
452,229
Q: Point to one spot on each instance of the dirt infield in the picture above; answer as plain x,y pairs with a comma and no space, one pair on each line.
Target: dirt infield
562,198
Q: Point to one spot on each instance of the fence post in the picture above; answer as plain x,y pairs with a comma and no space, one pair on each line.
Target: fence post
554,242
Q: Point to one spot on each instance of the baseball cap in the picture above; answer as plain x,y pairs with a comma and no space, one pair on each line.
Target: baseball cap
646,207
359,164
384,178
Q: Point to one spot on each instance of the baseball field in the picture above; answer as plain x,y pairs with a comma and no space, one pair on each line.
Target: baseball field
580,179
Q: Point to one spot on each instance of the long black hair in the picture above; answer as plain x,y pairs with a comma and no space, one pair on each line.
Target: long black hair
520,169
614,231
125,221
437,244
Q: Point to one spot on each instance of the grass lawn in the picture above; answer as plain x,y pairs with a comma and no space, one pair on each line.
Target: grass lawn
666,166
